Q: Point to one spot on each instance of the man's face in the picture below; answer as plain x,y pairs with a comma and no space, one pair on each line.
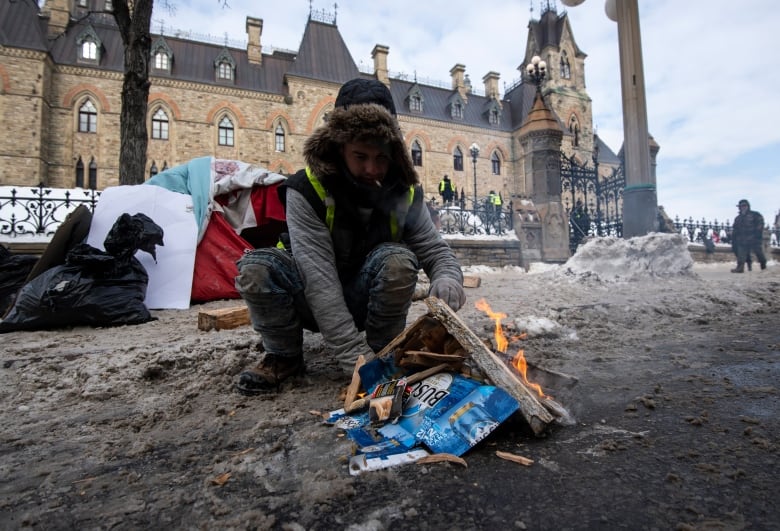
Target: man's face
367,162
743,207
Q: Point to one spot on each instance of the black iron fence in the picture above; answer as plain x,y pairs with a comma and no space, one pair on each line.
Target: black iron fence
474,219
39,210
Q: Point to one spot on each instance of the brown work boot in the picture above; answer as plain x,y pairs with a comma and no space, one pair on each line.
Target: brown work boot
269,374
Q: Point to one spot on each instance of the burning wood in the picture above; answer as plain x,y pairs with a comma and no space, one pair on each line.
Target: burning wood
441,337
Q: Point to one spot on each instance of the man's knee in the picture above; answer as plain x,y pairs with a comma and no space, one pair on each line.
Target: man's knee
263,271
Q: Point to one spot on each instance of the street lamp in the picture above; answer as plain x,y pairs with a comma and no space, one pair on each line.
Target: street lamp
640,203
474,154
536,71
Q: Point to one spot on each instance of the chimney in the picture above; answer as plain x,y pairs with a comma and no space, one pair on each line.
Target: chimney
58,13
457,72
379,55
491,85
254,28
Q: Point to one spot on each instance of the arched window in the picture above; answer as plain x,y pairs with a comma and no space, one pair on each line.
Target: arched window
495,163
92,174
279,134
160,125
89,50
415,103
457,160
416,153
225,71
153,170
457,110
564,66
80,173
87,117
493,117
161,60
225,132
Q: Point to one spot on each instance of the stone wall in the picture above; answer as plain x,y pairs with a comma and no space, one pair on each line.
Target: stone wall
494,253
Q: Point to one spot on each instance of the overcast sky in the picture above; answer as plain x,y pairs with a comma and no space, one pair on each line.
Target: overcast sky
710,68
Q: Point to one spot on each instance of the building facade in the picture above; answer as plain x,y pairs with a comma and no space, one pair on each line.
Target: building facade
61,75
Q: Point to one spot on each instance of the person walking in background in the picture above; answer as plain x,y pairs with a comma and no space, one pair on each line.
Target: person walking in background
580,225
446,190
747,235
359,232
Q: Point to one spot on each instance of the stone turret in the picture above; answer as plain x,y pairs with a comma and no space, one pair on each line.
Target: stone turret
58,13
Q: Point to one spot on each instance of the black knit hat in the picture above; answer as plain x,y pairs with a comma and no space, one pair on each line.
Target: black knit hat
743,202
359,90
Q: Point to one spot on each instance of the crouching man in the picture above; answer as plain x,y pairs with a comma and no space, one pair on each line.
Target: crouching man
359,232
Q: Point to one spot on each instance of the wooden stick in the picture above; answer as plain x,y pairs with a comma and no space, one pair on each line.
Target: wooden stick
515,458
354,385
494,369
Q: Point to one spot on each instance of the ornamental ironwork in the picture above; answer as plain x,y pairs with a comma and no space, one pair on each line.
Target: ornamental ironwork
40,210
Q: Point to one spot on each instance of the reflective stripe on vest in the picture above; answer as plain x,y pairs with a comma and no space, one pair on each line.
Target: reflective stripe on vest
330,204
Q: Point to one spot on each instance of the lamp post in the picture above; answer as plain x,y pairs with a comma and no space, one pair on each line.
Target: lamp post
536,71
474,154
640,202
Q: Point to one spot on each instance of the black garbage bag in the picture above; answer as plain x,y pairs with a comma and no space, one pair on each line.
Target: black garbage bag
14,269
93,287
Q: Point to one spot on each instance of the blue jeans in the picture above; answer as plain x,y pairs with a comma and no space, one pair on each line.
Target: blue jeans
378,296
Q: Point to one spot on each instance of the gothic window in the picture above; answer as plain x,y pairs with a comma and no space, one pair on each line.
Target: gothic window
565,67
225,71
495,163
279,134
457,111
109,5
80,173
415,103
165,165
493,117
153,170
160,125
161,60
89,50
87,117
88,45
457,160
226,132
92,174
416,153
82,3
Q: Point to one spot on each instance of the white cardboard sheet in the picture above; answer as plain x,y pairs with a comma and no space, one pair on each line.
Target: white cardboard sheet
170,278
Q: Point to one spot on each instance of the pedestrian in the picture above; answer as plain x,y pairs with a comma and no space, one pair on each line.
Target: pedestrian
359,232
446,190
580,225
747,236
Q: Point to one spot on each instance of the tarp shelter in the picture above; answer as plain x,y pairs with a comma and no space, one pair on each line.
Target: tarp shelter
211,211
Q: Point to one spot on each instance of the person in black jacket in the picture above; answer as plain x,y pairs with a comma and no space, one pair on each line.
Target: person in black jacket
747,236
359,231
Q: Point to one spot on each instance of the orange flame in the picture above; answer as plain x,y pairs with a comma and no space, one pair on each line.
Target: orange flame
501,344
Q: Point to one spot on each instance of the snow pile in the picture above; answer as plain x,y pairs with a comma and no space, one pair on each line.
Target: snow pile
616,259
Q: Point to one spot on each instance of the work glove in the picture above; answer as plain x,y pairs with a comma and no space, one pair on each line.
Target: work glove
450,291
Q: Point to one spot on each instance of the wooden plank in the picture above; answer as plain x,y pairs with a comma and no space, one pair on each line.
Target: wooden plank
223,318
471,281
495,370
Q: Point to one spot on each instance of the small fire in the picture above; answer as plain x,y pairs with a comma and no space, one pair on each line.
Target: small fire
518,362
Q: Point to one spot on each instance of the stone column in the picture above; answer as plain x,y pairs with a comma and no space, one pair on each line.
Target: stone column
540,136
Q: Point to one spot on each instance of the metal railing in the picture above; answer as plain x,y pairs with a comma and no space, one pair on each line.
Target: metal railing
478,219
39,210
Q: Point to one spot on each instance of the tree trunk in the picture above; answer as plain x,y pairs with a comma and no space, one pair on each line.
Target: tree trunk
133,136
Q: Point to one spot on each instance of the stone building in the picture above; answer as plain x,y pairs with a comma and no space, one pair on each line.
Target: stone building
61,73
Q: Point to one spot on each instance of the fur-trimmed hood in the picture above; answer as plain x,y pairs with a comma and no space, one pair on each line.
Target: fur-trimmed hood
366,122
